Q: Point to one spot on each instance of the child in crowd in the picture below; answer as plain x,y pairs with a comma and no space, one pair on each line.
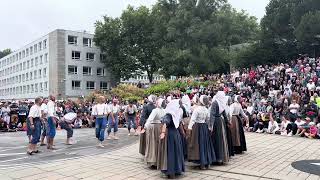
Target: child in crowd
312,132
3,125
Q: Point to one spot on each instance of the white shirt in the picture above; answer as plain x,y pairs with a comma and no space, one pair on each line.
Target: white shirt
199,115
300,123
99,110
114,109
250,109
155,116
51,108
311,86
69,117
35,111
295,108
273,127
236,109
131,110
44,109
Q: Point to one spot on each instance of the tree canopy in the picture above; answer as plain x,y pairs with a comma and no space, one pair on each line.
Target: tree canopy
5,52
174,37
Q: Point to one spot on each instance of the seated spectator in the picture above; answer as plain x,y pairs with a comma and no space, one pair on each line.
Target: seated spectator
3,125
85,121
305,127
299,125
312,131
283,126
77,123
318,133
13,125
273,126
293,110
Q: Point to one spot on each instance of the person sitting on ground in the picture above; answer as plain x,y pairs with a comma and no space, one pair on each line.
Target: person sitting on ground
299,123
13,125
283,126
3,125
318,133
77,123
312,131
305,127
273,126
85,121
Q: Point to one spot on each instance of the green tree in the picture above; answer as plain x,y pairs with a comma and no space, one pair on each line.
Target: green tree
5,52
308,31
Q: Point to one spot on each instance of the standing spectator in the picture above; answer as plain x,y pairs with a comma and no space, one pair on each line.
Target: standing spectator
130,113
51,131
23,112
6,113
35,125
44,121
113,119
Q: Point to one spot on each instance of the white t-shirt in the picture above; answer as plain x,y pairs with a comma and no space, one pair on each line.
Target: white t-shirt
295,108
114,109
99,110
35,111
300,123
51,108
44,109
311,86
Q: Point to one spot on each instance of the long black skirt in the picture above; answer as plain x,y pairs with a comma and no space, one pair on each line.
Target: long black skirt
243,146
206,150
229,139
184,144
175,155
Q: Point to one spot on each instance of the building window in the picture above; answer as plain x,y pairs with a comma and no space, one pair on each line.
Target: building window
19,57
30,75
72,40
99,71
46,86
90,56
103,57
41,87
46,58
76,85
76,55
45,44
27,76
35,48
41,57
31,50
103,85
36,87
36,61
87,70
28,88
23,78
23,54
72,69
87,42
32,88
28,64
27,52
35,74
40,73
90,84
44,72
31,63
24,65
40,46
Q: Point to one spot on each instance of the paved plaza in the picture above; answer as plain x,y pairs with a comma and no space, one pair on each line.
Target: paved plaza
268,157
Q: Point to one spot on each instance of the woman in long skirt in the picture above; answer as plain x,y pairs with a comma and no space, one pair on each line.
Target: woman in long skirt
153,129
201,150
217,125
170,158
147,109
237,132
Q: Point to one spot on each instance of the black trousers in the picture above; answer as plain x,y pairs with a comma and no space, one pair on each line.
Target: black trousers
292,127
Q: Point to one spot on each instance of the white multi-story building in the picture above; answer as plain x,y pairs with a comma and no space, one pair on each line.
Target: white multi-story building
62,63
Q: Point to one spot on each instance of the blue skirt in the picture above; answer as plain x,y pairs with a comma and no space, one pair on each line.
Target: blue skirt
206,149
175,156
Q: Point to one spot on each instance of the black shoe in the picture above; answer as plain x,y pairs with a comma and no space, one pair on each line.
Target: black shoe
30,153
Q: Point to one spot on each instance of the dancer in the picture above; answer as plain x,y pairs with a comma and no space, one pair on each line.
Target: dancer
35,125
113,119
170,157
52,121
44,121
100,111
130,113
66,123
237,132
147,109
217,126
201,150
153,129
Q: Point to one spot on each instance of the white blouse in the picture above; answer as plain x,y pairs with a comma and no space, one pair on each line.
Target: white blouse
155,116
199,115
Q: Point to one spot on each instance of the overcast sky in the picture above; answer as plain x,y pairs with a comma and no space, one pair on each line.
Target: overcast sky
24,21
